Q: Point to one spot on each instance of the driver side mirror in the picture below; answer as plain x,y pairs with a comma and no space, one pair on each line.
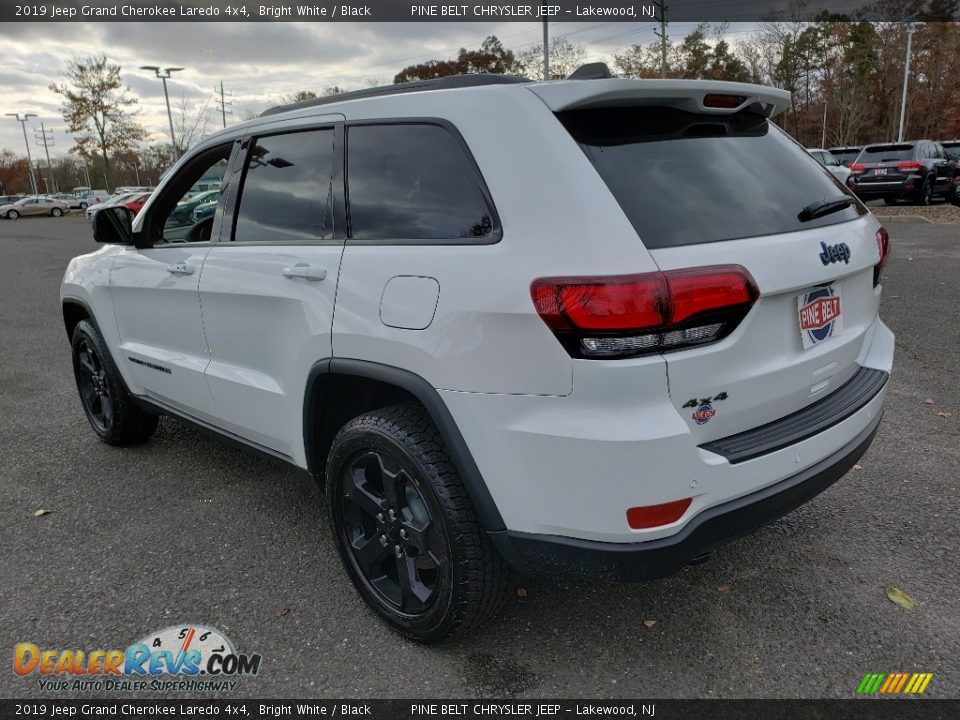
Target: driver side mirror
113,225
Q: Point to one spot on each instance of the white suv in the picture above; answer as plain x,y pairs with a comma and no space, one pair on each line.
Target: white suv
590,328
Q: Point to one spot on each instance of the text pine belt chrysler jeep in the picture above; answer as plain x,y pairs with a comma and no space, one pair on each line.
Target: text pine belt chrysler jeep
589,328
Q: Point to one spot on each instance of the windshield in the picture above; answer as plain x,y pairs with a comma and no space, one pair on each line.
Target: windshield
684,178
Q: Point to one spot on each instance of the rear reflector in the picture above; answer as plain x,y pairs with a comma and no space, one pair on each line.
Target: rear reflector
628,315
723,101
648,516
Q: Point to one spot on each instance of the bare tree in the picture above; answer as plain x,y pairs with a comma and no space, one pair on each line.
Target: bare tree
98,109
565,57
188,128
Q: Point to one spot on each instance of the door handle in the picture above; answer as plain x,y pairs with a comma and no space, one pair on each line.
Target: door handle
305,271
180,269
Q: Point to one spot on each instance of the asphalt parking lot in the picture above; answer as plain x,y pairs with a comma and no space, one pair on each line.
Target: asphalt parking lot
184,529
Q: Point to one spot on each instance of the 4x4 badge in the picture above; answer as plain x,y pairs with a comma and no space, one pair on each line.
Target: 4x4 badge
834,253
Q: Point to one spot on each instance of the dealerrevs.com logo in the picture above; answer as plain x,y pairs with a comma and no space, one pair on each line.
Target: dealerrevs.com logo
180,658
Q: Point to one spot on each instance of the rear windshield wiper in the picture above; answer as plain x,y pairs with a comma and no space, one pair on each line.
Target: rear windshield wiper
825,206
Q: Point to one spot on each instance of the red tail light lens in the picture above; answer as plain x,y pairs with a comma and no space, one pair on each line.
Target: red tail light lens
883,245
629,315
723,101
856,167
648,516
909,166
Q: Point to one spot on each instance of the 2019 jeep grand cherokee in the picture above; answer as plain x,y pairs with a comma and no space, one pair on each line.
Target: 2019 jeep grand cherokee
586,327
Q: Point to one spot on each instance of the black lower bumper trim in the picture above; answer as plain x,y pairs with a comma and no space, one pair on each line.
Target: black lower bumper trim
836,407
571,558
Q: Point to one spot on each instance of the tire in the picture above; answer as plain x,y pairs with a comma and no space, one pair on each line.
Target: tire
396,503
83,206
889,201
109,407
56,212
13,214
926,193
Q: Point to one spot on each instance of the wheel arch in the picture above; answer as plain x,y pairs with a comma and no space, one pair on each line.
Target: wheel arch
338,390
75,310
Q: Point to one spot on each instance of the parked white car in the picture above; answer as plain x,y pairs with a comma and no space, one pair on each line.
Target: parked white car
840,171
93,197
571,328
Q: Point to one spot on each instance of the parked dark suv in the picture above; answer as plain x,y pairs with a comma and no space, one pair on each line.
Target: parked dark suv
917,170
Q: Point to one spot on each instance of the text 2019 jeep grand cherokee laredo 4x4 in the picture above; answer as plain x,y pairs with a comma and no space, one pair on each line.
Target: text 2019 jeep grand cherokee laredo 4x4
587,327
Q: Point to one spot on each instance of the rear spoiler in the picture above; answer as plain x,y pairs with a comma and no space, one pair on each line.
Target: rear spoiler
681,94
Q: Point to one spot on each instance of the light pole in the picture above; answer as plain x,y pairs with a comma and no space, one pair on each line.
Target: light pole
906,77
164,74
23,124
546,51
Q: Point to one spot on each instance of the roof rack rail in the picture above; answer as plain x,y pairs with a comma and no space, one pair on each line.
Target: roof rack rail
443,83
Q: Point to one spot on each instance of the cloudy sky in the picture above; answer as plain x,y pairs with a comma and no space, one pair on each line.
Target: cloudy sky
257,62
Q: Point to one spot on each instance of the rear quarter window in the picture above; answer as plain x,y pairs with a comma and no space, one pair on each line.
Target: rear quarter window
684,178
413,181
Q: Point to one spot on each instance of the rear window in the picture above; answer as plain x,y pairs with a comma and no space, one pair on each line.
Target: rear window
845,155
884,153
684,178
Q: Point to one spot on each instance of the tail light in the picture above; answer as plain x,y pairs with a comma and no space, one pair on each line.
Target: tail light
621,316
909,165
857,167
883,245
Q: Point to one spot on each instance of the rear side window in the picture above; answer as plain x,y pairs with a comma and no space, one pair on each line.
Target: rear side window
414,182
885,153
287,193
683,178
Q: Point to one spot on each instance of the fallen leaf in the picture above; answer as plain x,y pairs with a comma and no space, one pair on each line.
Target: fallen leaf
899,597
40,513
284,611
723,589
649,623
929,401
522,592
858,467
941,413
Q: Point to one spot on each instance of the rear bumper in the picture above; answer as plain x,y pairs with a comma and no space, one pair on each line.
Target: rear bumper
546,555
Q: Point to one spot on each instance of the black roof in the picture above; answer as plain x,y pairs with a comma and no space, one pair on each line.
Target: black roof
444,83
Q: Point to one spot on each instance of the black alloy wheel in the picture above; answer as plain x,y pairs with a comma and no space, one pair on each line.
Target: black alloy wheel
405,528
389,531
93,386
110,408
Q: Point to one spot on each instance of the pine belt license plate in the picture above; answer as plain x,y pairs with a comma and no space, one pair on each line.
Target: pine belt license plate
821,315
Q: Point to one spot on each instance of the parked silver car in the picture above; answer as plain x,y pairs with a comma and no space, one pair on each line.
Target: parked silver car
34,205
831,163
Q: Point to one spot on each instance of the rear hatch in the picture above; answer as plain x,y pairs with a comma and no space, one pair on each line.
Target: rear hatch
846,155
708,187
884,165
